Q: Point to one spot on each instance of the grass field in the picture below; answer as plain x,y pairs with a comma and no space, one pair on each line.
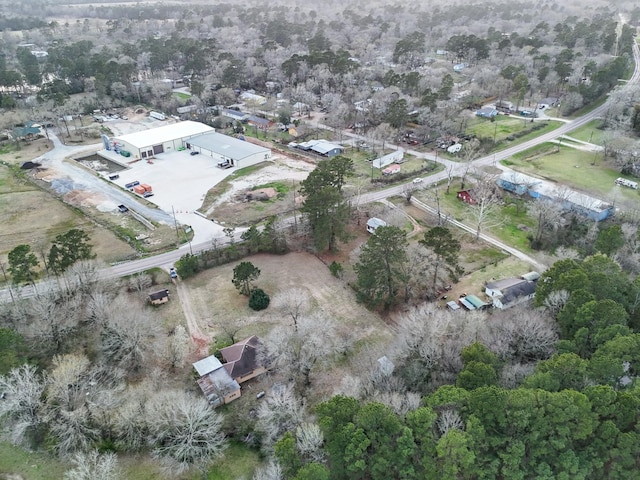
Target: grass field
591,132
504,126
504,224
31,465
25,221
573,168
239,462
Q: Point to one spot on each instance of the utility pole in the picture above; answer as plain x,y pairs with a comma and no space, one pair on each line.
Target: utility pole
175,222
295,218
6,280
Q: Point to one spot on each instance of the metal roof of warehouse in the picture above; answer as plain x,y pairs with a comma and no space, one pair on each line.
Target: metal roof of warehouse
226,145
166,133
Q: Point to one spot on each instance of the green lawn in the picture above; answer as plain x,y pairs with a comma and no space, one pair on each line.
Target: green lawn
32,466
183,96
574,168
502,126
238,463
591,132
504,225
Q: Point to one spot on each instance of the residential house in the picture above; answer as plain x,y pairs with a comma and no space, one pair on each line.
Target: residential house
241,359
517,183
374,223
215,382
321,147
548,102
466,196
509,292
252,98
570,200
487,112
259,122
234,114
29,131
391,169
159,297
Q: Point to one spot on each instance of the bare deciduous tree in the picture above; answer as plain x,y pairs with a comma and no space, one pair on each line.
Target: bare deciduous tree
526,335
178,347
94,465
309,440
21,409
297,352
448,419
139,283
293,303
272,471
555,301
282,411
185,431
126,333
80,401
547,214
483,212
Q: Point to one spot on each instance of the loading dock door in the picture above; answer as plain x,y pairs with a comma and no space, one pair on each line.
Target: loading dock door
158,149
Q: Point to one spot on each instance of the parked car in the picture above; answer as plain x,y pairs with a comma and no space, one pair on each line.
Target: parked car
147,194
123,208
173,273
417,180
194,152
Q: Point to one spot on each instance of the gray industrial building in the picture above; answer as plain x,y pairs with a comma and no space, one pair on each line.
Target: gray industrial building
228,151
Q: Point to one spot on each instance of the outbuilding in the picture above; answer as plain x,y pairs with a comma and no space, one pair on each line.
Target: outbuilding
374,223
228,151
148,143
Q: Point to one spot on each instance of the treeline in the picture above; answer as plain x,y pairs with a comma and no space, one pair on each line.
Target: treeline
269,239
66,250
504,408
20,23
488,432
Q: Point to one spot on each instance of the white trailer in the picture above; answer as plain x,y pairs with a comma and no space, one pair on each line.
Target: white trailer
626,183
157,115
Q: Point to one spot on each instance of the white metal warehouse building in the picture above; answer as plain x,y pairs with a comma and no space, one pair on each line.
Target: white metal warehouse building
154,141
228,150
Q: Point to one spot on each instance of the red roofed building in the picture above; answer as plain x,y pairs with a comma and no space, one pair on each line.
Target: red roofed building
466,197
241,359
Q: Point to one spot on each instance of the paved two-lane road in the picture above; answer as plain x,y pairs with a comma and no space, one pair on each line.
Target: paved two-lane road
168,258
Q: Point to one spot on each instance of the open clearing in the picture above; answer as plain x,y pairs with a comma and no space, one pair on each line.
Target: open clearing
216,302
592,132
31,216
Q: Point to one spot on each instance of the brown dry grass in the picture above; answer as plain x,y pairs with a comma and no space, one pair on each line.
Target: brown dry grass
27,151
31,216
215,302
